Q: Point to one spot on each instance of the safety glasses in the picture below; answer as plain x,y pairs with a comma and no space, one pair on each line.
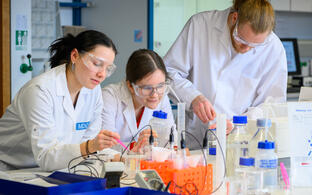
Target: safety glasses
249,44
98,64
148,90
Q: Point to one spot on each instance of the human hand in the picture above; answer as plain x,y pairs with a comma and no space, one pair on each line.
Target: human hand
104,139
143,139
203,109
229,126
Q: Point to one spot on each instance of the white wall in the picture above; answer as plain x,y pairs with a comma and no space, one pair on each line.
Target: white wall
20,20
170,16
118,19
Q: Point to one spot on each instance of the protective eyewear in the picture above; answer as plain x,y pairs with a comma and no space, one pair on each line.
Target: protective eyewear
98,64
147,90
242,41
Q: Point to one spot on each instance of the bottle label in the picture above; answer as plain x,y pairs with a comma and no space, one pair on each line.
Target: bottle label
268,163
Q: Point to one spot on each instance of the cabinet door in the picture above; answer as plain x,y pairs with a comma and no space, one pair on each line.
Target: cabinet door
281,5
169,18
301,5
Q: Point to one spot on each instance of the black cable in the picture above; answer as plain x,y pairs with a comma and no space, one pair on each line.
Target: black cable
125,176
128,184
85,162
133,137
171,137
183,189
188,133
151,138
198,144
167,187
166,144
93,168
222,152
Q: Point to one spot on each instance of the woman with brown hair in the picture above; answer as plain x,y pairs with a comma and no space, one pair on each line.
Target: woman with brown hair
129,105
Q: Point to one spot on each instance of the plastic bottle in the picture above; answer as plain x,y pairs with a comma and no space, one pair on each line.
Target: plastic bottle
209,147
212,142
266,162
260,135
246,172
161,125
237,136
148,149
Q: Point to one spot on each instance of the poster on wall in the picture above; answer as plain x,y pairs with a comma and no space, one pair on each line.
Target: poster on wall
21,32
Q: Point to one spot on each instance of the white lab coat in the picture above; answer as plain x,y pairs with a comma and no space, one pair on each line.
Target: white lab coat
118,113
41,126
201,61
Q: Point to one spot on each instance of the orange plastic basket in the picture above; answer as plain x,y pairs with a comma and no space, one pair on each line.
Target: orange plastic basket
197,180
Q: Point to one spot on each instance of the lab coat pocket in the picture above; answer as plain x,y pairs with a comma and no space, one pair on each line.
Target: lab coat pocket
78,136
246,92
80,131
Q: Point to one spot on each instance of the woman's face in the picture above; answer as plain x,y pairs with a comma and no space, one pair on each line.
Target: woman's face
91,68
149,90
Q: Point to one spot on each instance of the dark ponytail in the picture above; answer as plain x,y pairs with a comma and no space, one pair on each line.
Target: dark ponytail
61,48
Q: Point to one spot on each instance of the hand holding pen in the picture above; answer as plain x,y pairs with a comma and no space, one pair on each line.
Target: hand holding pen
104,139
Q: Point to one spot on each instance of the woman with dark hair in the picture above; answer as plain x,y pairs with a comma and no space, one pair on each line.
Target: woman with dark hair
55,117
129,105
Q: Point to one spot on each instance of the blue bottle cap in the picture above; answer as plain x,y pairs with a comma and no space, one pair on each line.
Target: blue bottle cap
160,114
240,119
246,161
266,145
261,122
212,151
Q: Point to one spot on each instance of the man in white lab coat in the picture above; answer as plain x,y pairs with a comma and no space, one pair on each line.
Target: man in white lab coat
227,61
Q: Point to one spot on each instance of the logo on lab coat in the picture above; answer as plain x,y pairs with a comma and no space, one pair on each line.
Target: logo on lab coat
82,125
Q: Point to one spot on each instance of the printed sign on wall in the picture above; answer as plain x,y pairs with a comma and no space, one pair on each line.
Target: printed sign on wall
21,32
138,36
21,39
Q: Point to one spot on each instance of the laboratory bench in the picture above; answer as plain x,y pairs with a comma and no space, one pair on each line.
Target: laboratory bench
24,174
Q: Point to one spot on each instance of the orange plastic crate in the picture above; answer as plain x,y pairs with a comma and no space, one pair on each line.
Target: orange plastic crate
197,180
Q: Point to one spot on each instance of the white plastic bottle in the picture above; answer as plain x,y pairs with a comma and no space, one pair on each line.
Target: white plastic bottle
246,173
262,124
212,142
160,124
266,162
234,140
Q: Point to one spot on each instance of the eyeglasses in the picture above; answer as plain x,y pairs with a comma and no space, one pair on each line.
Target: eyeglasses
242,41
98,64
147,90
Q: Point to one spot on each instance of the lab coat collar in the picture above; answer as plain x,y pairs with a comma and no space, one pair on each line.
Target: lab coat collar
62,90
221,26
221,23
61,82
128,111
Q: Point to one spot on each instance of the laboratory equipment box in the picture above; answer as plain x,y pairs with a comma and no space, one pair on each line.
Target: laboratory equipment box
69,183
125,191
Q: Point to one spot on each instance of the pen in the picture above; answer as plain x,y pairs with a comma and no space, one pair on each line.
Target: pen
122,144
285,175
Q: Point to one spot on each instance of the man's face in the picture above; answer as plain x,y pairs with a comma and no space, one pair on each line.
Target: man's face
243,37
